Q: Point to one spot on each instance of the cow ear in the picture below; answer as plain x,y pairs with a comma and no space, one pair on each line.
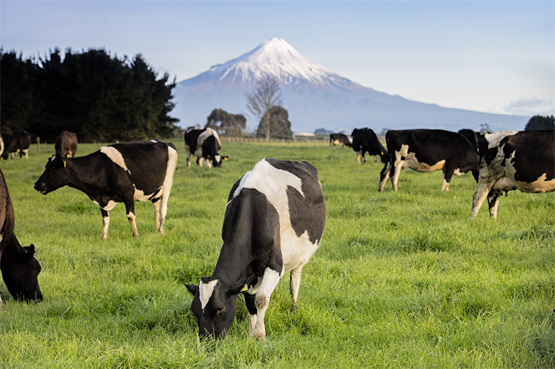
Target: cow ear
193,288
225,157
243,285
30,251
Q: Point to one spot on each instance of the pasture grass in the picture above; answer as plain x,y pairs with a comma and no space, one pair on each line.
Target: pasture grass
401,279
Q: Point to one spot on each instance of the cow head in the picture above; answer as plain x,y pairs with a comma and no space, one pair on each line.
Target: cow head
55,175
214,305
20,270
217,162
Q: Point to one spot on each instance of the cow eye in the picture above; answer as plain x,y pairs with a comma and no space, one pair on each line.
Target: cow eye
220,311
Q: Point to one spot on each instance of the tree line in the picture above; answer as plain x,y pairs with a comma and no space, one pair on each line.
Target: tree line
99,97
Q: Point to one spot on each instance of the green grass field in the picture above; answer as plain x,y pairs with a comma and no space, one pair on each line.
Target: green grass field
401,280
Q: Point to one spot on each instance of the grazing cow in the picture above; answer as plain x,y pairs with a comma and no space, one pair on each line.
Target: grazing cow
428,150
339,139
204,144
274,220
511,160
66,144
19,142
365,141
472,137
19,267
124,172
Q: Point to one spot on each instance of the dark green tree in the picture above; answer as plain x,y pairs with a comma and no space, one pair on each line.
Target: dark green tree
20,103
538,122
280,127
225,123
106,99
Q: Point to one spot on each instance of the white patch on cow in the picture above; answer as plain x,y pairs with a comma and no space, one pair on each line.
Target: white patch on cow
218,158
139,195
115,156
205,291
111,204
273,183
494,138
412,162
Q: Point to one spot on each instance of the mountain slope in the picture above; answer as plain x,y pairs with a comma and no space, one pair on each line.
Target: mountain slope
316,97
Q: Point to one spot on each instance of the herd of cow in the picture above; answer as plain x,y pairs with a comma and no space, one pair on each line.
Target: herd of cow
500,162
275,214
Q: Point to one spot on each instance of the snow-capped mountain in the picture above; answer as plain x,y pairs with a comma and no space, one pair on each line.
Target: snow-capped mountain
315,97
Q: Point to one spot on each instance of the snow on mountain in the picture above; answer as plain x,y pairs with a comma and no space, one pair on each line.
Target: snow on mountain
315,97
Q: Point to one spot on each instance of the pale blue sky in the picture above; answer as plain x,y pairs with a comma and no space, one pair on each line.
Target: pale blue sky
495,56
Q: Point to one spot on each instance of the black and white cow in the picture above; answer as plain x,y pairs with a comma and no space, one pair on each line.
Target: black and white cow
471,136
19,142
511,160
124,172
339,139
274,221
204,144
19,267
365,141
428,150
66,144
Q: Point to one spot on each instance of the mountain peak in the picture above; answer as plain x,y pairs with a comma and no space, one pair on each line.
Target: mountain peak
274,57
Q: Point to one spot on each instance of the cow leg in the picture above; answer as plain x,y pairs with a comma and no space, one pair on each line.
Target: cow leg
358,157
208,163
493,202
295,284
200,161
130,209
26,152
269,282
188,160
251,308
156,203
479,196
105,222
447,176
384,176
397,166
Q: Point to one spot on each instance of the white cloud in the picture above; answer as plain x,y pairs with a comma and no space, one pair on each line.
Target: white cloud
530,106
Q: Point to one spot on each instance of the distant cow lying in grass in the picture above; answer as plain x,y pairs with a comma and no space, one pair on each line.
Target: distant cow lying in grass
124,172
19,267
274,220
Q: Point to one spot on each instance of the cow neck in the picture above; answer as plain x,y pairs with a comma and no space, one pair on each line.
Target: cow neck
79,170
12,247
232,265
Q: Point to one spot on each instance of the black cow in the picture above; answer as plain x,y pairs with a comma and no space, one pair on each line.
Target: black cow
204,144
339,139
124,172
511,160
471,136
365,141
19,267
428,150
19,142
66,144
274,220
